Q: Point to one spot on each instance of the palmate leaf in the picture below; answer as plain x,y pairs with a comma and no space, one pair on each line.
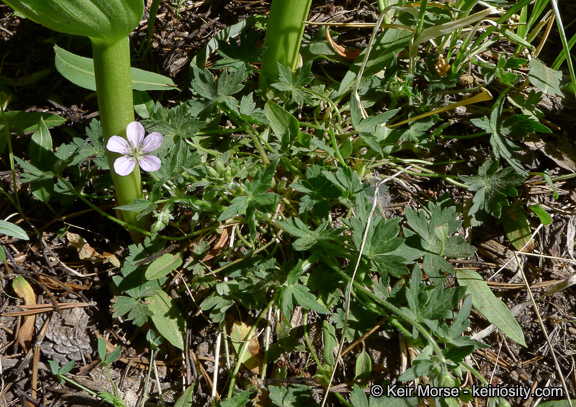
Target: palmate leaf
348,182
239,400
492,187
384,250
231,83
295,395
249,112
204,84
360,320
295,83
306,237
431,303
515,126
293,292
520,125
501,146
217,305
243,53
318,191
137,311
217,92
430,234
256,195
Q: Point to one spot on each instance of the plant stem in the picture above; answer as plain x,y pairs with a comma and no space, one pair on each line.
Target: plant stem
114,88
283,37
310,347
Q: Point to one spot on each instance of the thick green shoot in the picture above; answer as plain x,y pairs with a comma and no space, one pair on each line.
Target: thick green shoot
283,37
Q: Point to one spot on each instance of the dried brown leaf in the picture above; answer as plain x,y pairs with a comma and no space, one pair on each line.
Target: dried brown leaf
350,54
23,289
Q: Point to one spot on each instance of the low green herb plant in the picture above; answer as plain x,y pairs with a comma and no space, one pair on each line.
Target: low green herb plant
108,25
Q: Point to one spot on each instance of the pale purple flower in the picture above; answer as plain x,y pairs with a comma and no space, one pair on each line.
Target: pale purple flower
135,150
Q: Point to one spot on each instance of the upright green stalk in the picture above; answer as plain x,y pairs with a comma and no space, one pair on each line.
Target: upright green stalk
114,89
108,24
283,37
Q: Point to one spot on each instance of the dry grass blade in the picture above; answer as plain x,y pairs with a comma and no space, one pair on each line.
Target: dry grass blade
483,96
34,309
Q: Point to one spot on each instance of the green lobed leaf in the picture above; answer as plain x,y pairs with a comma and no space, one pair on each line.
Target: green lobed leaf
10,229
307,300
112,399
318,192
294,82
137,312
294,395
231,83
490,306
80,71
520,125
492,187
244,52
168,319
358,397
256,196
306,237
199,60
360,320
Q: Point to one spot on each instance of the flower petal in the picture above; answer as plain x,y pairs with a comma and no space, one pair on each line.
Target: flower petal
135,133
118,145
150,163
152,142
124,165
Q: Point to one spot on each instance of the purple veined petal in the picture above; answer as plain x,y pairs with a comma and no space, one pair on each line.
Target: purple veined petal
152,142
117,144
135,134
124,165
150,163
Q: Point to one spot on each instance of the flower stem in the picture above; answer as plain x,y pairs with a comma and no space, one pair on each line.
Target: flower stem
283,37
114,87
